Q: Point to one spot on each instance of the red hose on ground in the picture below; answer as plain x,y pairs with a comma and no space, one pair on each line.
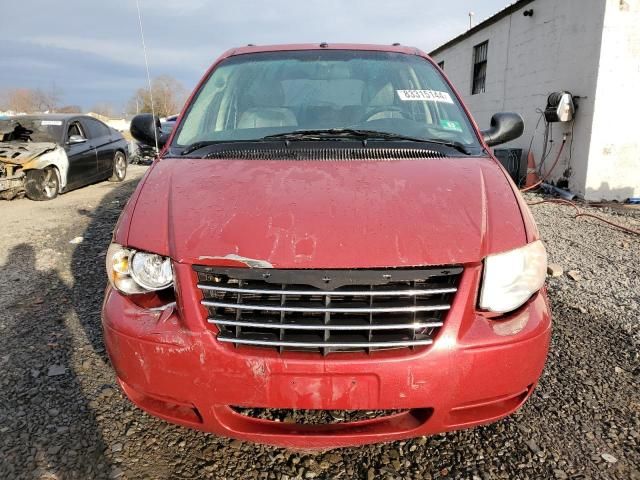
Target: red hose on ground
544,178
580,213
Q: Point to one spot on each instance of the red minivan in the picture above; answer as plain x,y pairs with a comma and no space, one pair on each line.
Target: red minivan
326,253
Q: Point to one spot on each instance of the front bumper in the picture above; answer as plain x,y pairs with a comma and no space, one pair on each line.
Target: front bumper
477,371
11,185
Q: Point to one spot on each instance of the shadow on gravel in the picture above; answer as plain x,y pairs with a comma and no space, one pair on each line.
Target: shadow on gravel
47,423
87,264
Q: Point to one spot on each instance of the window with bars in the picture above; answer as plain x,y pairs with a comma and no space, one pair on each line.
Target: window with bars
441,65
480,68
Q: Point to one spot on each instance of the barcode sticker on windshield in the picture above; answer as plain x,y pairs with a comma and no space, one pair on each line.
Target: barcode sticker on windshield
424,96
44,123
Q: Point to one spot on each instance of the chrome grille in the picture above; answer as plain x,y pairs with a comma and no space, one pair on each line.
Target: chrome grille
327,310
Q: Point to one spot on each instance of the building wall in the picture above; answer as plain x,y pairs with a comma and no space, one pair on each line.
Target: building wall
558,48
614,160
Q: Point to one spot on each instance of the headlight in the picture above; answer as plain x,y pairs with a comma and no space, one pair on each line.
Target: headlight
132,272
151,271
511,278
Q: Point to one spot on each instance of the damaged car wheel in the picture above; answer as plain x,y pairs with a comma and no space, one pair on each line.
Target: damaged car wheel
42,184
119,167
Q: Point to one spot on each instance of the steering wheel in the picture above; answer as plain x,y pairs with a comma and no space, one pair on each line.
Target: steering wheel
383,109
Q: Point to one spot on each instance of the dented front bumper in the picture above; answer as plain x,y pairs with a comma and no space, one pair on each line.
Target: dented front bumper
476,372
11,184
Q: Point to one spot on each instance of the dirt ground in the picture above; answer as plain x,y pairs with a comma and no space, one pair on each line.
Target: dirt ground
62,415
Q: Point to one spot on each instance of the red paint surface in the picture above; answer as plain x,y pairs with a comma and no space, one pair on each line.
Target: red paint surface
296,214
305,214
464,378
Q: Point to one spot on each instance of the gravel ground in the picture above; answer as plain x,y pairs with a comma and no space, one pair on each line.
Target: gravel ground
62,415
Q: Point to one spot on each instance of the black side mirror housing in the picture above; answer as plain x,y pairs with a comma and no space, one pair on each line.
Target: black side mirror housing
145,127
505,127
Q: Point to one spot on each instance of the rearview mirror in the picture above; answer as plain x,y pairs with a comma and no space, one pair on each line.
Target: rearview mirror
145,127
73,139
504,128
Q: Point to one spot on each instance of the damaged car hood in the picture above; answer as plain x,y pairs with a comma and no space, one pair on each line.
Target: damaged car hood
308,214
19,153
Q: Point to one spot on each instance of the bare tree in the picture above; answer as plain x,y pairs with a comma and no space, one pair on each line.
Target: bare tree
168,97
22,100
28,100
4,100
49,99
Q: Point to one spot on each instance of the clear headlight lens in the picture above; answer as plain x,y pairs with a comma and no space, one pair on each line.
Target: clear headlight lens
151,271
511,278
132,272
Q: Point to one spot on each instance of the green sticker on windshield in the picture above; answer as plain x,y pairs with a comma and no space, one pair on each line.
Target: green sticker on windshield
451,125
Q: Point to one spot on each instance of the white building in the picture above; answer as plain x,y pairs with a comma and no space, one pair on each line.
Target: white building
532,48
120,124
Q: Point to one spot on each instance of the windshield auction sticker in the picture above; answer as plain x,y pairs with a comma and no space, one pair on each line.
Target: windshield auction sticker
424,96
44,123
451,125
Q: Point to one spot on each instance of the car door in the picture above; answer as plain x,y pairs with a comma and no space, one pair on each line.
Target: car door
101,138
83,165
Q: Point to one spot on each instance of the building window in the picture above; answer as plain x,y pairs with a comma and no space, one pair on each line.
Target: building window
441,64
480,68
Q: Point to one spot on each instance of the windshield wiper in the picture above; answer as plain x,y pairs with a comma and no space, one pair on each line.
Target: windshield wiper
197,146
306,135
332,133
359,134
207,143
461,147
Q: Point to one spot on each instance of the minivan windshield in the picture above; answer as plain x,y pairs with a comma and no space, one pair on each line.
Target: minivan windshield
252,96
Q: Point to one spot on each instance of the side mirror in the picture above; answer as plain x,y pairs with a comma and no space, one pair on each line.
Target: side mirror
504,128
73,139
145,127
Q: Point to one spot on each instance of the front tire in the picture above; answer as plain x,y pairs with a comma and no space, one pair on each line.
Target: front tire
42,184
119,167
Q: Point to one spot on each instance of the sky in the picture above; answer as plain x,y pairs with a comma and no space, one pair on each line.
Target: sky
90,51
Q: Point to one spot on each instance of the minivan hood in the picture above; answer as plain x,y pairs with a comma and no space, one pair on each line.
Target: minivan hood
315,214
